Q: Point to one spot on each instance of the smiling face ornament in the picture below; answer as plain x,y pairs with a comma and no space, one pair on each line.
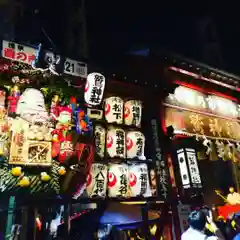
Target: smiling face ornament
31,105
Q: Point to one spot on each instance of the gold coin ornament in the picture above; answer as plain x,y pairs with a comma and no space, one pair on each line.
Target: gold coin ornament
16,171
62,171
45,177
24,182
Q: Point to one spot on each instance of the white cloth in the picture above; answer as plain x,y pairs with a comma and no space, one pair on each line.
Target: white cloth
192,234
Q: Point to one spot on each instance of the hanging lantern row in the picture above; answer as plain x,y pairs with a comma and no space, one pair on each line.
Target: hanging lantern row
119,180
118,111
115,109
119,143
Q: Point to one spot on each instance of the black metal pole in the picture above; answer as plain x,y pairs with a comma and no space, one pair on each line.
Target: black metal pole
144,210
67,222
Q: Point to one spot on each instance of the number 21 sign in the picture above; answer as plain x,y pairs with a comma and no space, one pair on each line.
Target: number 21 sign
75,68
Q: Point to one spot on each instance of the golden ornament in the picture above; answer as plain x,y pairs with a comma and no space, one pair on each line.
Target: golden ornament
16,171
24,182
62,171
45,177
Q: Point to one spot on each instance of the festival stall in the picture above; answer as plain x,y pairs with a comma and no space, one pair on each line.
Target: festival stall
201,116
68,136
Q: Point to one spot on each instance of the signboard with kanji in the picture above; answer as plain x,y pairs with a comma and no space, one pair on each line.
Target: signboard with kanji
18,52
25,54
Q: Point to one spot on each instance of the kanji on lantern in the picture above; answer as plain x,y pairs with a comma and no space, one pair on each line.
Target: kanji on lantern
99,136
115,143
120,142
97,180
138,180
123,185
94,89
114,110
133,113
118,180
135,145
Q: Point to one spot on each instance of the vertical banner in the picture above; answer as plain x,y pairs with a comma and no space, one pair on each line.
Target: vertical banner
154,146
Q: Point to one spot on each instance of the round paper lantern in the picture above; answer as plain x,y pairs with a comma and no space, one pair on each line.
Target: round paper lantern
114,110
115,143
135,142
99,139
138,180
97,181
117,180
133,113
94,89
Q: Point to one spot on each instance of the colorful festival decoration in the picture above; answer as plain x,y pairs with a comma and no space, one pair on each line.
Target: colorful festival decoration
58,140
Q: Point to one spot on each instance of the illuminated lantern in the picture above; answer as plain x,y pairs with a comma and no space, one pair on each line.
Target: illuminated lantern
135,145
115,143
99,139
118,180
94,89
189,171
113,110
133,113
139,181
97,181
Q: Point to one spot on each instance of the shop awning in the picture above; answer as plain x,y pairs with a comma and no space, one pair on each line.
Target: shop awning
118,213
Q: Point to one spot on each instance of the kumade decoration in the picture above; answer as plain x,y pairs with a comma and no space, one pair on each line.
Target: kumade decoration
94,89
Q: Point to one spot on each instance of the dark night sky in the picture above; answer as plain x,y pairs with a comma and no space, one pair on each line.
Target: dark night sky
115,27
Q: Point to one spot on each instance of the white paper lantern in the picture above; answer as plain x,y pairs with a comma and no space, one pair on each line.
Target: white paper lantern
113,110
97,180
118,180
133,113
115,143
99,139
139,181
94,89
135,142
